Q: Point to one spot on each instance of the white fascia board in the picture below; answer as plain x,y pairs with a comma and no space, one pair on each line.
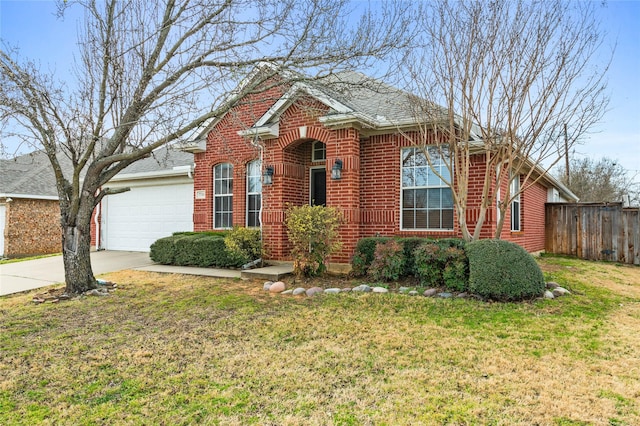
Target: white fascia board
195,147
176,171
31,197
264,132
288,98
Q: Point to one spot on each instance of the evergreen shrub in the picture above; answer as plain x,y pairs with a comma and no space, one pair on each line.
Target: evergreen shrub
502,270
388,261
364,253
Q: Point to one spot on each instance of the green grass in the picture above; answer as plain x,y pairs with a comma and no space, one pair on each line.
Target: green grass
171,349
22,259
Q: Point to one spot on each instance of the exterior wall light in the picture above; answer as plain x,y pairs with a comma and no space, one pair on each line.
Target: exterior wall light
336,170
267,177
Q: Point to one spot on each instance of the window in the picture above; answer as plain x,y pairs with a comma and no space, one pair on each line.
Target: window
515,204
223,198
427,201
254,193
318,151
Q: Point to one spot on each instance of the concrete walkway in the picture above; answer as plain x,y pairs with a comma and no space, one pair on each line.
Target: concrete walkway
31,274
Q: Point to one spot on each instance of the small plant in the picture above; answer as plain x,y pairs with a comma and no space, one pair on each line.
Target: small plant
428,267
502,270
313,232
388,261
244,243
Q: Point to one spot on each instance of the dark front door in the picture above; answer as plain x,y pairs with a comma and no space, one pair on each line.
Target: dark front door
318,187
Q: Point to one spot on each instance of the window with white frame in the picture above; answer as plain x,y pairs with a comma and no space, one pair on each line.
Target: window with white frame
515,204
318,151
427,201
223,196
254,193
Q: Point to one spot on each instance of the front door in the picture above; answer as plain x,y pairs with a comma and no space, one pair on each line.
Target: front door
318,187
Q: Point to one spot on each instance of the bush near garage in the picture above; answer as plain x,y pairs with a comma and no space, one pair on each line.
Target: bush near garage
502,270
203,249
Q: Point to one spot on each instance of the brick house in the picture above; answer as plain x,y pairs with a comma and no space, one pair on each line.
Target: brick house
310,143
29,209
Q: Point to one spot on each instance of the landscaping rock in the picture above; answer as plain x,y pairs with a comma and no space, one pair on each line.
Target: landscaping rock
299,291
548,295
430,292
380,290
332,291
267,285
462,295
362,288
560,291
413,293
404,290
314,290
445,295
287,292
552,285
277,287
346,289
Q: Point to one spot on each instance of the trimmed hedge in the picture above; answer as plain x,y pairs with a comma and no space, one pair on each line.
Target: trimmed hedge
364,254
201,249
442,262
502,270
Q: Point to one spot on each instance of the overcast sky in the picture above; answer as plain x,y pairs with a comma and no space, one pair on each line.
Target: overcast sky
33,26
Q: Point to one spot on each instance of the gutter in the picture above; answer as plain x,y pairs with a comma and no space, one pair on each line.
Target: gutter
31,197
176,171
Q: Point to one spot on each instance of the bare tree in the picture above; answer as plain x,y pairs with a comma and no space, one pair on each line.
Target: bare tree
149,73
497,84
603,180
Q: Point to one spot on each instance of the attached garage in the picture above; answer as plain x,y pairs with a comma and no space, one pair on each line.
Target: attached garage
154,207
158,203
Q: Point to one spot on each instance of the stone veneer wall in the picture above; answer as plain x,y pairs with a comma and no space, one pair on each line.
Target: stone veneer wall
32,227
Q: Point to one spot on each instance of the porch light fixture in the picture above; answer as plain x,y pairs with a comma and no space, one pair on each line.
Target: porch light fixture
267,177
336,170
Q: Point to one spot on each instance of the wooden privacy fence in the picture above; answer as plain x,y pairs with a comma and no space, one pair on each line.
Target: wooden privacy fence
594,231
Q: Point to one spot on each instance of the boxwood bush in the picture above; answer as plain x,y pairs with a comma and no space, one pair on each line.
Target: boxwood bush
502,270
204,249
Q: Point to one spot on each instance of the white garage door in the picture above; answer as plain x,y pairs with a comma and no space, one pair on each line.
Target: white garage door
133,220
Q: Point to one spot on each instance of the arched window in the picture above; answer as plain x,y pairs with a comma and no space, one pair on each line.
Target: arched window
223,196
254,193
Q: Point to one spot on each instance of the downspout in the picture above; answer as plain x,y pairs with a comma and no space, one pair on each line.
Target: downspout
96,219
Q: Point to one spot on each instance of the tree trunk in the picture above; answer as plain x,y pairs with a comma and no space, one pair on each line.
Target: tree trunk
76,247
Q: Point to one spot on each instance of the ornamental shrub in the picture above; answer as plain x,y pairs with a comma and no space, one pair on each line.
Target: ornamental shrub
211,251
163,250
409,245
313,233
185,254
364,253
244,243
442,263
502,270
388,261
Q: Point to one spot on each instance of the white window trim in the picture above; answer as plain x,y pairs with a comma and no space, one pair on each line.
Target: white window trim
516,199
246,218
313,151
216,196
402,228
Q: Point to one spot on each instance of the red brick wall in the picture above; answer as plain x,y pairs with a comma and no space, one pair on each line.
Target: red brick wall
368,194
32,227
532,211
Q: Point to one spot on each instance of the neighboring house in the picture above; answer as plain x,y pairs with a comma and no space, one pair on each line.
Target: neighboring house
309,143
159,202
29,209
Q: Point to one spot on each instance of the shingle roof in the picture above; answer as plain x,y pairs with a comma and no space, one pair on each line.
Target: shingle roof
31,174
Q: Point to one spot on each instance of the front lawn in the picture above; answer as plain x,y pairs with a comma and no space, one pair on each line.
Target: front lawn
174,349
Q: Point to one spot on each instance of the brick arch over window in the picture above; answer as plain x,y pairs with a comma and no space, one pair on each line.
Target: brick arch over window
309,133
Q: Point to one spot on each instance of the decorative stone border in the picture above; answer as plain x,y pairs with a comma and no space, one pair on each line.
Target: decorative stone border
552,291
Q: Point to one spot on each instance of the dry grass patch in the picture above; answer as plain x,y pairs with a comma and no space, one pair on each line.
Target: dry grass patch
171,349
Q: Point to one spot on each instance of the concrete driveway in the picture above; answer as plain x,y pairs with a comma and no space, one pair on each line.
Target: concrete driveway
30,274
